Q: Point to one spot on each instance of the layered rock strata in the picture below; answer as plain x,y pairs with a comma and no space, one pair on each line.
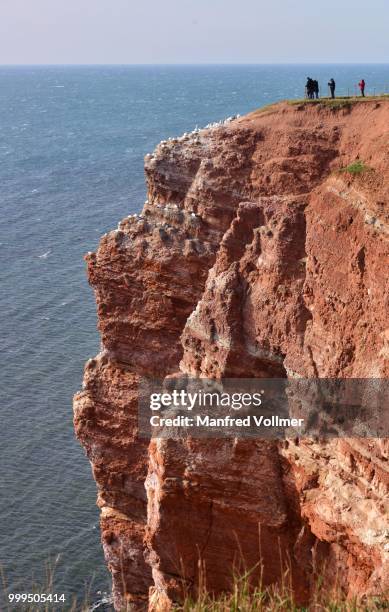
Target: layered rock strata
254,256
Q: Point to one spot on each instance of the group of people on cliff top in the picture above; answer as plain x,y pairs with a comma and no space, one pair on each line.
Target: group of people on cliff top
312,88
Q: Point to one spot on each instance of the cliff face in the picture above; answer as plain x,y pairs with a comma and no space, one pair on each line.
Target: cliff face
254,256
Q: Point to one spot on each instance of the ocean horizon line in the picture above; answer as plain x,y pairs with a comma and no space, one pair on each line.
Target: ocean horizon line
189,64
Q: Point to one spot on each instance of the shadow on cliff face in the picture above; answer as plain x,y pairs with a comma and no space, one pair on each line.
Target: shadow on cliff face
229,496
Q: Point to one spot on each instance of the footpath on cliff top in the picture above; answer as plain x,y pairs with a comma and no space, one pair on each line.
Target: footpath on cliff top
262,251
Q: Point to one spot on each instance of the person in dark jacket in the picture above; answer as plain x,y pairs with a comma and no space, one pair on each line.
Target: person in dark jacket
309,88
362,86
316,89
332,85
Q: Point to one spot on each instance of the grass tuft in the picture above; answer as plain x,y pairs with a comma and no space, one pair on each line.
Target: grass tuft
248,594
245,599
357,167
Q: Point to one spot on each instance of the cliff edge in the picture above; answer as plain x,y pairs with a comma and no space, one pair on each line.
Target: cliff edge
258,253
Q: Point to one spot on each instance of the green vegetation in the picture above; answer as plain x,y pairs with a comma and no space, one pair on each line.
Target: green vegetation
356,167
334,103
341,102
245,599
263,602
249,595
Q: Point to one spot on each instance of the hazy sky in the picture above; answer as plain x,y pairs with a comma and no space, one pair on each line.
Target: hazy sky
193,31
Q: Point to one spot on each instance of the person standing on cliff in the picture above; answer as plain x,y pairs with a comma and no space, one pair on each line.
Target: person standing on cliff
316,89
309,88
332,85
362,86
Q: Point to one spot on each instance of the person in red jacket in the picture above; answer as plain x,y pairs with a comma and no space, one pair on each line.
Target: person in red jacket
362,86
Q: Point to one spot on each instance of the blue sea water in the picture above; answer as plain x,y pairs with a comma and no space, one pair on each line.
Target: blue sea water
72,142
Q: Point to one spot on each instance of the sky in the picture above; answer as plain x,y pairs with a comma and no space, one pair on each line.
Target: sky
193,31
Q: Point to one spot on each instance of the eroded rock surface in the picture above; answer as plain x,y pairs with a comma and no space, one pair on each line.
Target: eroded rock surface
254,256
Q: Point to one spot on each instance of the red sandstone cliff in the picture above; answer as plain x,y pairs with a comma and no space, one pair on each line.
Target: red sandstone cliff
254,256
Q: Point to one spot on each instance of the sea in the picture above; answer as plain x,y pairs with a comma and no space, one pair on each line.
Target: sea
72,143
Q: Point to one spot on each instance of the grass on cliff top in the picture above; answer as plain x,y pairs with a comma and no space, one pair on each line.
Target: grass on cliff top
332,103
339,102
